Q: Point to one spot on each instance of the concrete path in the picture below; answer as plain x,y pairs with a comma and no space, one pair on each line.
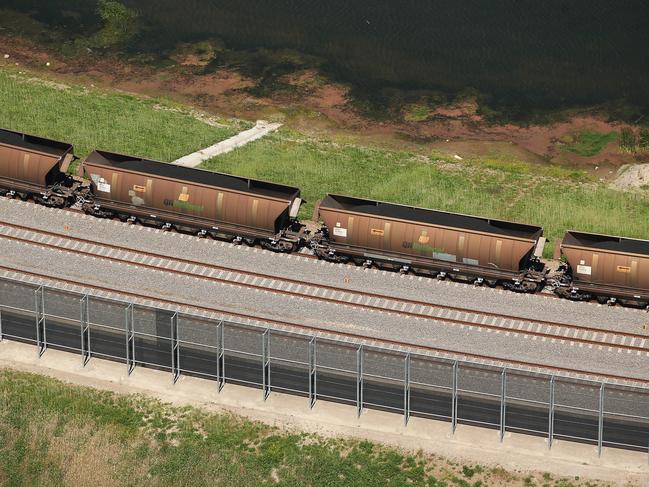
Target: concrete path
242,138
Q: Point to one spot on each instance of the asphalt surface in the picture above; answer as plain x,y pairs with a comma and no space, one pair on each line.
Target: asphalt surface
336,385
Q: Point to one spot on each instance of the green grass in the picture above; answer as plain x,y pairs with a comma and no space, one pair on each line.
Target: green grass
588,143
95,119
53,433
416,112
552,197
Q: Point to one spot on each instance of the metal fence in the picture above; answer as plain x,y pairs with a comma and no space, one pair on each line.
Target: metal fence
365,376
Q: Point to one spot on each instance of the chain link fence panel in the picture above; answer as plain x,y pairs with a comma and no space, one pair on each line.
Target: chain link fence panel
528,399
198,346
337,370
626,409
431,387
289,362
576,411
243,354
479,394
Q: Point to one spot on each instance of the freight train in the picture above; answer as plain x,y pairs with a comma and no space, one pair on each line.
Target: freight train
370,233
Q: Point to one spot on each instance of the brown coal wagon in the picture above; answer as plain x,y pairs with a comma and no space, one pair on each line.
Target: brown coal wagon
195,200
605,267
34,166
431,242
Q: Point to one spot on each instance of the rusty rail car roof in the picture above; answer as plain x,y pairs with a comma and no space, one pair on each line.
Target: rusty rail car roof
434,217
198,176
606,242
34,143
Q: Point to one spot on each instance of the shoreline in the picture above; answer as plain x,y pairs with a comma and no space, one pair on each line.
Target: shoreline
325,109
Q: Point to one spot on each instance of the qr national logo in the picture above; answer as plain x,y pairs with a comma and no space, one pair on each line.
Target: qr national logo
424,238
183,202
184,195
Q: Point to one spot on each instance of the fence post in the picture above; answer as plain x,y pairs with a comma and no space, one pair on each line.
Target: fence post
406,389
0,325
359,380
313,390
600,420
41,338
130,338
85,331
551,414
503,403
220,356
175,349
454,399
265,362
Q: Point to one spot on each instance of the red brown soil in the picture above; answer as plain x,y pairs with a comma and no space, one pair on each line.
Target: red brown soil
317,106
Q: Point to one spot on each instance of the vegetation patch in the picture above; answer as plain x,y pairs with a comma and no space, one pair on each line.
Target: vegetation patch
588,143
630,142
53,433
416,112
643,140
94,119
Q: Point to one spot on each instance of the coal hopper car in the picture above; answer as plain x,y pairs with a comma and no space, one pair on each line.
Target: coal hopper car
607,268
36,167
430,242
193,200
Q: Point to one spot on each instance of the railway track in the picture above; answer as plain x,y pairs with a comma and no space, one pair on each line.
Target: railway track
445,315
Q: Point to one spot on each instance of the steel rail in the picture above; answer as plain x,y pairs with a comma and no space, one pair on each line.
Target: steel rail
374,307
532,366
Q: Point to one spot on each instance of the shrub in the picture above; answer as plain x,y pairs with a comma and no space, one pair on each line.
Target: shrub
643,140
120,24
628,140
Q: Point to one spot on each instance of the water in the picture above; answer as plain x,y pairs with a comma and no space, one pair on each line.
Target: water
520,54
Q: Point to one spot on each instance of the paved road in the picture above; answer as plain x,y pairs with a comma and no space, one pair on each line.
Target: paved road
335,385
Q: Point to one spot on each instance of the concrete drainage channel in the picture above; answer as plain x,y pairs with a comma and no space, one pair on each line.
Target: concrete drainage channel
260,129
365,376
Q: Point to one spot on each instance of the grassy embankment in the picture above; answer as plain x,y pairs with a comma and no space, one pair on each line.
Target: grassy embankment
52,433
95,119
499,187
553,197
